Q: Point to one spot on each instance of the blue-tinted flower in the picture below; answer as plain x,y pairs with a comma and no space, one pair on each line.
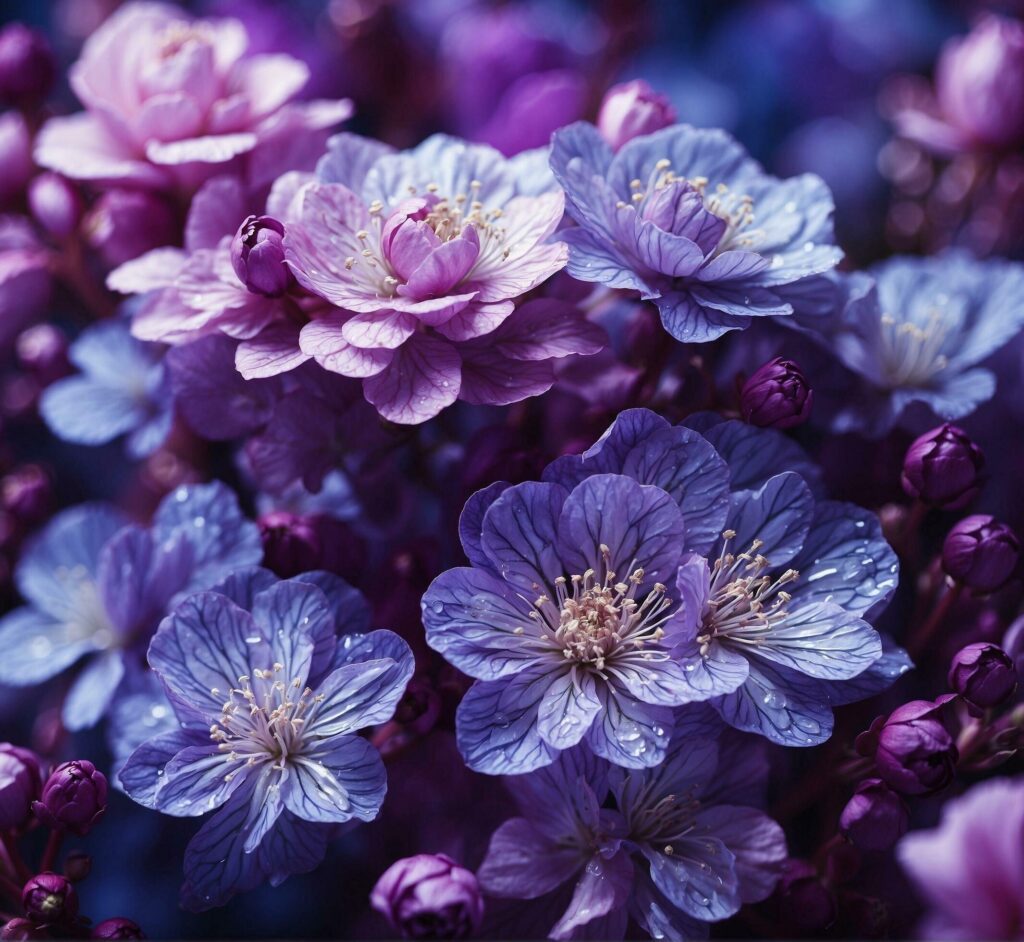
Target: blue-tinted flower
730,582
97,586
120,390
915,338
688,219
271,699
681,847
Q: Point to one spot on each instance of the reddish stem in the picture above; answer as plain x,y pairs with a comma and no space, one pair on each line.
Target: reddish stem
921,638
12,857
52,848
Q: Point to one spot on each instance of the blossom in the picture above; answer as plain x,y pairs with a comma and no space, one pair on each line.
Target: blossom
913,335
981,552
170,99
98,585
121,390
969,870
271,698
943,467
675,846
422,255
659,568
687,219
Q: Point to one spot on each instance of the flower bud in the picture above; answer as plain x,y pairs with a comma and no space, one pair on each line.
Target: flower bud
43,350
20,781
979,82
49,899
74,797
55,204
117,928
291,543
257,255
20,928
943,468
915,753
27,493
804,900
27,67
776,396
15,155
983,674
429,896
77,866
123,224
631,109
875,817
981,553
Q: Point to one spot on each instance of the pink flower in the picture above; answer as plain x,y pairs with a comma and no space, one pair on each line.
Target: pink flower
170,100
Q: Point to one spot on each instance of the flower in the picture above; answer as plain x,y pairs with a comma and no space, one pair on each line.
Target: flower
968,871
117,928
97,586
605,595
633,109
983,674
74,797
257,255
915,753
875,817
776,396
49,899
981,553
271,699
55,204
913,334
20,782
674,847
27,66
123,224
170,99
943,468
423,255
686,218
121,390
429,896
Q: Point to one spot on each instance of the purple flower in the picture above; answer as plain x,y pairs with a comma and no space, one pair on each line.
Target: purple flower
423,255
679,848
875,817
943,468
633,109
49,899
20,783
27,66
97,586
74,797
983,674
171,99
915,753
15,155
117,928
969,870
121,390
25,278
429,896
55,204
124,224
981,553
687,219
271,701
257,255
776,396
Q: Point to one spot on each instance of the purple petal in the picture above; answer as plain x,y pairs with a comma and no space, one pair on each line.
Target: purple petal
423,378
322,339
628,733
567,709
521,863
778,514
274,350
340,778
602,888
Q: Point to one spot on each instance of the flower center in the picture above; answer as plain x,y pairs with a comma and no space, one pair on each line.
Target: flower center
744,603
264,723
662,819
911,354
591,622
176,36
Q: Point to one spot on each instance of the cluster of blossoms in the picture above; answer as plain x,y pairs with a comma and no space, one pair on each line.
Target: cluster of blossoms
650,472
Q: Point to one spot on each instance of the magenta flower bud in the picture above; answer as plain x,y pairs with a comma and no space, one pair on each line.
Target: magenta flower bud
123,224
27,67
77,866
429,896
804,900
257,255
74,797
43,350
980,553
776,396
979,82
49,899
20,928
117,928
21,778
631,109
15,155
875,817
943,468
915,753
55,204
291,543
27,493
983,674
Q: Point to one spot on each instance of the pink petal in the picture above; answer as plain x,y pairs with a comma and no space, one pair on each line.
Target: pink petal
274,350
475,320
149,272
547,328
423,379
323,341
444,267
387,329
212,149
